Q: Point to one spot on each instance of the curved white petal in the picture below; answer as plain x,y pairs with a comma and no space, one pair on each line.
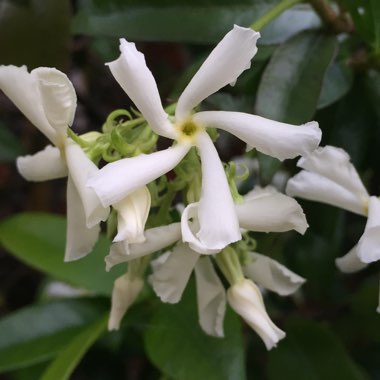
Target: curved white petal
117,180
276,139
350,262
216,214
58,98
81,168
155,239
272,275
314,187
368,248
226,62
80,240
132,213
170,276
211,298
245,298
125,291
334,163
22,89
132,74
43,165
267,210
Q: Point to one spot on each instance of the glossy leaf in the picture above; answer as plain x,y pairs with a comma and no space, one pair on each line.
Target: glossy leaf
311,351
63,366
39,240
292,81
180,349
39,332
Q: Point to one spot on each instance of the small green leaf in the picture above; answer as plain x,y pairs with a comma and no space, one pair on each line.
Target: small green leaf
37,333
39,240
10,147
292,81
311,351
180,349
63,366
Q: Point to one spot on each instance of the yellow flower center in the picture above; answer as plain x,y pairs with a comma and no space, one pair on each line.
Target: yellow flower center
188,130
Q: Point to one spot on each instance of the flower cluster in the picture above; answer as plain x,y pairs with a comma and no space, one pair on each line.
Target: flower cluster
211,226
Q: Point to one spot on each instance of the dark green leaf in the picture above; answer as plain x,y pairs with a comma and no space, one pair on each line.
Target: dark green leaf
292,81
65,363
10,147
180,349
311,351
37,333
39,240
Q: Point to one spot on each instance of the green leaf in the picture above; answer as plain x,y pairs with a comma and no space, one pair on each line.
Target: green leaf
375,13
336,84
311,351
37,333
180,349
292,81
196,23
65,363
39,31
10,147
39,240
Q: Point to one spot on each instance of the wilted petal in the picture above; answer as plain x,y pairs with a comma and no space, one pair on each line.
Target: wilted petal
245,298
58,98
170,276
226,62
125,290
216,213
334,163
117,180
276,139
155,239
81,168
267,210
132,74
43,165
369,244
80,240
272,275
211,298
132,213
314,187
350,262
22,89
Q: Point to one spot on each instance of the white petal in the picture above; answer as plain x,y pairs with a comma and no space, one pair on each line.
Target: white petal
369,243
266,210
155,239
80,240
117,180
58,98
216,215
211,298
226,62
334,163
314,187
125,291
170,277
276,139
137,81
81,168
350,262
43,165
245,298
132,213
272,275
22,89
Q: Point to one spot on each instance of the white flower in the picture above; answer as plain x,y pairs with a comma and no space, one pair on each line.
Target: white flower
125,290
245,298
214,213
47,98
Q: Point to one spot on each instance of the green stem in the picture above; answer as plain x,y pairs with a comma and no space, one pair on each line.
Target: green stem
273,13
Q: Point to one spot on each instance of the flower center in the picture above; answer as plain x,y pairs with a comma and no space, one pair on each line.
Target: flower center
188,130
